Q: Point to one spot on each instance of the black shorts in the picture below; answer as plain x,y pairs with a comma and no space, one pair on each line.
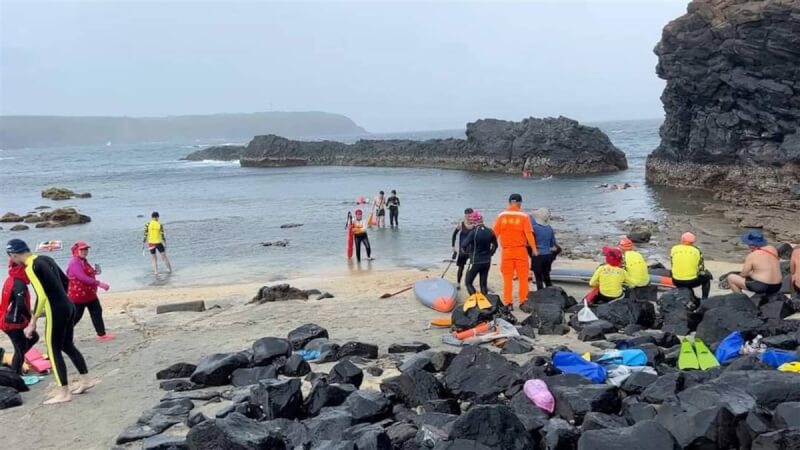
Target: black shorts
762,288
462,259
157,247
381,212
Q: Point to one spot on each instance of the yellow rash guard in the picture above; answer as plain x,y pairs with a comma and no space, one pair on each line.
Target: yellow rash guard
636,267
687,262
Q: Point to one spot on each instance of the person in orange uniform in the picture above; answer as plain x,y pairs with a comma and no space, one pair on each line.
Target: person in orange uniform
515,234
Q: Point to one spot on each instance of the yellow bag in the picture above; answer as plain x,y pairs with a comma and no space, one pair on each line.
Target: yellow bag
790,367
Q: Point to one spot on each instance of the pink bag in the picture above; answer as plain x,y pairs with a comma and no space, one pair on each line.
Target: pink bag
537,392
37,362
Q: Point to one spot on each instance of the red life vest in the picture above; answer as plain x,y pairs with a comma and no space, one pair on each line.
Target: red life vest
15,272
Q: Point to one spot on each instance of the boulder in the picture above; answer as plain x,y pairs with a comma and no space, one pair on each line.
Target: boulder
375,371
329,425
401,435
738,302
558,434
291,225
785,439
777,309
179,385
216,369
252,375
442,406
11,379
494,426
413,387
602,421
693,428
532,417
719,322
62,217
19,228
278,293
324,394
328,351
516,346
677,317
302,335
479,375
177,370
635,411
233,432
9,397
367,406
368,351
757,422
59,193
572,403
294,434
627,311
368,437
268,349
411,347
296,366
278,398
595,330
787,415
644,435
638,382
165,442
345,372
781,341
10,217
639,237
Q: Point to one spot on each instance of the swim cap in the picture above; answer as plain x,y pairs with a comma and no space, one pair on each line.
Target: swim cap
688,238
626,244
359,212
613,256
476,217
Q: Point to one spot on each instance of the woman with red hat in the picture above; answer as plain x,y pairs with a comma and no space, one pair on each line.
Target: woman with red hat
610,278
83,284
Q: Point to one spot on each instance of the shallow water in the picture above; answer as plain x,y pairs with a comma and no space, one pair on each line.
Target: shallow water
216,213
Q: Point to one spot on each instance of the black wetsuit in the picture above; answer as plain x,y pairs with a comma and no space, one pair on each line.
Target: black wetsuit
50,284
460,232
480,244
703,279
394,207
19,341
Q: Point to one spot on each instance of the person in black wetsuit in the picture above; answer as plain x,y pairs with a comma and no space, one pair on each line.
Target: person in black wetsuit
15,314
50,284
394,208
461,232
480,244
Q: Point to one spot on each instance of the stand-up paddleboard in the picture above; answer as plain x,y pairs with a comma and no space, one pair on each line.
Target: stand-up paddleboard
49,246
436,293
584,275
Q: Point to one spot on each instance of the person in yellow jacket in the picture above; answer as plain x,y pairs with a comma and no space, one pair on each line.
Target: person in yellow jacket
156,241
634,264
610,278
688,267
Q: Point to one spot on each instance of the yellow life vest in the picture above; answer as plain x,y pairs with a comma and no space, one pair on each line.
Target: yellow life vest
637,268
154,232
609,279
686,260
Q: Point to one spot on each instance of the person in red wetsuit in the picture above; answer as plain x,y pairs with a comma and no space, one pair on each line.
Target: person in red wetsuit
15,313
82,291
515,234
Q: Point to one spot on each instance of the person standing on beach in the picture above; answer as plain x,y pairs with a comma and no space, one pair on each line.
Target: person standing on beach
156,241
394,209
50,284
360,236
542,264
379,208
480,244
460,232
83,284
15,314
515,233
761,272
688,267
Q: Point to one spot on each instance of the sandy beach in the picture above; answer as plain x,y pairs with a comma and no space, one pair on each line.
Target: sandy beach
146,342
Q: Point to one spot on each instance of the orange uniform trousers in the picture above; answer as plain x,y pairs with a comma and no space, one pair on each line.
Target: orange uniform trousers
514,261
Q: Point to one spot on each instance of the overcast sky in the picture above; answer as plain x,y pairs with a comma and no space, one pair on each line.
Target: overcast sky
389,66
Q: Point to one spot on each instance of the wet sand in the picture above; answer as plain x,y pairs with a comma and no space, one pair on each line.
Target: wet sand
146,342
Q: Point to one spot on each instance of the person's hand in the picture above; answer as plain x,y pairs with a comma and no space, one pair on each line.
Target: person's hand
103,286
455,253
30,329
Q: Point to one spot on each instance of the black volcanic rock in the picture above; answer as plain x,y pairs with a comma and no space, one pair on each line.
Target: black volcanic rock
732,103
550,145
217,153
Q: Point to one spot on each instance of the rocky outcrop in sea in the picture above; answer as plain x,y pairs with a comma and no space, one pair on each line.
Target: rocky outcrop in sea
217,153
732,104
544,146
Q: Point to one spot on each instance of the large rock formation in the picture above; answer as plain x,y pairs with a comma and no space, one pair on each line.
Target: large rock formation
545,146
217,153
732,102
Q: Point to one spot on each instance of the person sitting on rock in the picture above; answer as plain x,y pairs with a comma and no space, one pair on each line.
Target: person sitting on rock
634,264
609,279
360,236
761,272
688,267
794,270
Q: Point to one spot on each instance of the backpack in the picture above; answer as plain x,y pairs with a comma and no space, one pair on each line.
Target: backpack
476,309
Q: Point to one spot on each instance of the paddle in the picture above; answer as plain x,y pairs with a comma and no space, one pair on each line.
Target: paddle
387,295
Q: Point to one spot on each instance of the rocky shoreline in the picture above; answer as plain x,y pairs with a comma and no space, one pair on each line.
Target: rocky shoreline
732,121
552,146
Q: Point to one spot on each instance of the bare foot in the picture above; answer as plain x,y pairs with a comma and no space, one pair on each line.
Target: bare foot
83,386
59,398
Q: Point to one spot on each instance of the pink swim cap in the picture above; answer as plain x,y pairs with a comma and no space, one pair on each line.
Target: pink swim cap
476,217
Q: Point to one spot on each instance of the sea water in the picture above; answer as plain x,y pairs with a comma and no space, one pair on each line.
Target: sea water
216,214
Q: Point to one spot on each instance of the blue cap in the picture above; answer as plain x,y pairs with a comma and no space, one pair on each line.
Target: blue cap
17,246
754,238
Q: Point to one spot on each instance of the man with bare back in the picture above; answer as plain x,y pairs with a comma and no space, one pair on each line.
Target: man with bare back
761,272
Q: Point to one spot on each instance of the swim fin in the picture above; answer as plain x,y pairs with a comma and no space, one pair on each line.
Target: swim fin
705,358
688,358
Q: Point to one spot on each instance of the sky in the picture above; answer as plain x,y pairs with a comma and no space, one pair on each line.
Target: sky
390,66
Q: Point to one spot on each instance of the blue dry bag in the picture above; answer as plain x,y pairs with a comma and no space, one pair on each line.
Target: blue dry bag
728,349
569,362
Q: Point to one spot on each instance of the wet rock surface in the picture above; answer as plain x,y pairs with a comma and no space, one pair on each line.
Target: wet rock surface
58,193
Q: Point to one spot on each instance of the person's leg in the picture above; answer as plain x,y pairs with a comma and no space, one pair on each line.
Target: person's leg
736,283
84,383
538,271
165,258
54,335
547,266
79,308
507,269
358,241
470,279
484,280
154,261
368,247
459,274
521,267
17,338
96,313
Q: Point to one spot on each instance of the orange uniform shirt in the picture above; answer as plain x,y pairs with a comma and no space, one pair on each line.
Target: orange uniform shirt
514,231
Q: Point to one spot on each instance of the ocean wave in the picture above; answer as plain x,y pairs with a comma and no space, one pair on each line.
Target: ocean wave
210,163
3,158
